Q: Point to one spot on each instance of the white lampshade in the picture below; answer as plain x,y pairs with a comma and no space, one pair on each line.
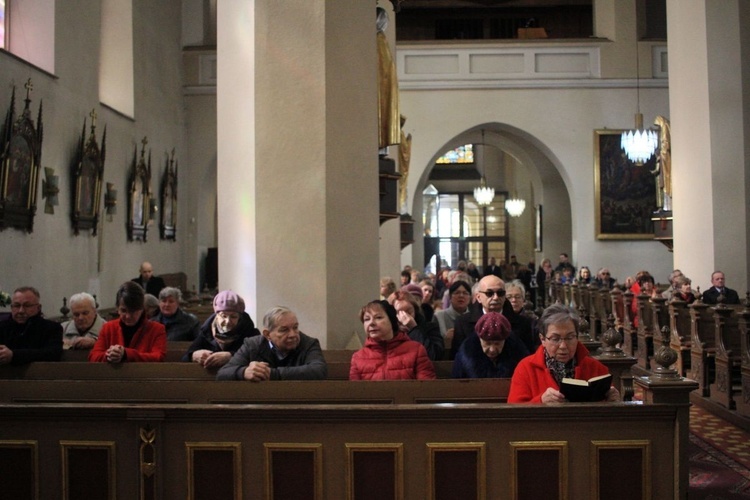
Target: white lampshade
483,194
515,206
639,144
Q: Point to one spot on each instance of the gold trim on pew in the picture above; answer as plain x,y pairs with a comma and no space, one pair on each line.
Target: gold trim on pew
33,446
479,448
636,444
234,447
317,451
518,447
109,446
396,450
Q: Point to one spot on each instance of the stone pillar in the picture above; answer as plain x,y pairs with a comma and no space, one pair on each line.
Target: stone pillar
709,117
297,160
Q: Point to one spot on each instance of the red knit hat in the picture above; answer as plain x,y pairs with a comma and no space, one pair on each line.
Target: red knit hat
493,326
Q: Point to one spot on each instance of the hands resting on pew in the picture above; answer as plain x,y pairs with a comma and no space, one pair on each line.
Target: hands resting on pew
6,355
208,359
258,371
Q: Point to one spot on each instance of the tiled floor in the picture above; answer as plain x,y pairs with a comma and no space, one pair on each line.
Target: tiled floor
721,434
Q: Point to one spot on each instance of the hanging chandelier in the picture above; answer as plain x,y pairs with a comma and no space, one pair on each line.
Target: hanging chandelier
639,144
515,206
483,194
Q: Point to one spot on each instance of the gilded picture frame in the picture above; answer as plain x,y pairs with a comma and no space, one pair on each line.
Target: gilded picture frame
625,194
168,221
139,199
88,172
20,160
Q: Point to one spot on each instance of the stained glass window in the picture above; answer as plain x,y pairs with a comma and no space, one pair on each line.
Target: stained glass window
462,154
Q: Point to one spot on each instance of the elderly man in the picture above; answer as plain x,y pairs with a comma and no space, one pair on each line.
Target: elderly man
26,336
711,296
281,353
181,326
674,288
604,279
150,283
82,331
223,333
490,296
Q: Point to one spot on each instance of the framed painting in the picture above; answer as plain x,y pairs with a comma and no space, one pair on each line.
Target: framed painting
625,194
139,199
20,160
87,180
169,201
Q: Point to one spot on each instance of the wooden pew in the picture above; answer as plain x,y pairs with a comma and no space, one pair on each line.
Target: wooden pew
175,351
743,403
728,361
680,337
403,429
660,328
629,333
645,332
702,346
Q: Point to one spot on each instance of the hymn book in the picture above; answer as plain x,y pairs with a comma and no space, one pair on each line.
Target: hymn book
585,391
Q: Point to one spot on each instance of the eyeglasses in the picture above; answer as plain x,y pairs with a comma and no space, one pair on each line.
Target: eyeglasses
22,306
605,274
559,340
490,293
515,297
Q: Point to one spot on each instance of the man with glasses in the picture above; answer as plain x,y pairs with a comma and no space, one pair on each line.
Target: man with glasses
538,377
490,297
26,336
604,279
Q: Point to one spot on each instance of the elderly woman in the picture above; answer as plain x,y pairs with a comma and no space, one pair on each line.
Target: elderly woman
538,377
523,326
388,353
132,337
459,294
180,325
412,322
492,353
223,332
684,290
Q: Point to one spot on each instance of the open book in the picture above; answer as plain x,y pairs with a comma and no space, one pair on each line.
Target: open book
583,391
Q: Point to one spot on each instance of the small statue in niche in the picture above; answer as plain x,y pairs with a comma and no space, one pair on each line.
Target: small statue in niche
663,170
404,157
388,110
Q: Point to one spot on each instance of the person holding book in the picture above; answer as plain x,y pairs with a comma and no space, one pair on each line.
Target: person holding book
539,378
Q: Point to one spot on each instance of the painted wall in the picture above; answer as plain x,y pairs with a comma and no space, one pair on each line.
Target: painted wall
52,258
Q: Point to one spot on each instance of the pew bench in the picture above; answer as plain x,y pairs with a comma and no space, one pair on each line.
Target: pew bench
728,359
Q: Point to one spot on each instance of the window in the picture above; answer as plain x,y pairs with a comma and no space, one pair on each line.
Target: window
462,154
2,24
116,86
29,31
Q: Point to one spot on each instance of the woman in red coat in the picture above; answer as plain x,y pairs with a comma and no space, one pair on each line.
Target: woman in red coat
537,377
133,337
388,354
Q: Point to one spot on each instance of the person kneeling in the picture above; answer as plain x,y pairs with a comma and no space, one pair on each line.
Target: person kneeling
282,352
538,377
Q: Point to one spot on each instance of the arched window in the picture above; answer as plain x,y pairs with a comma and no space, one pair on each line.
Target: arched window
116,57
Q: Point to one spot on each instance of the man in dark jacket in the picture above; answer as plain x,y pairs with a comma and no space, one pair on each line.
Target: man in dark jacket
26,336
281,353
711,296
150,283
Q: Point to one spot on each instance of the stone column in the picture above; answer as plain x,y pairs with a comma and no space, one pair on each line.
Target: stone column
709,116
297,160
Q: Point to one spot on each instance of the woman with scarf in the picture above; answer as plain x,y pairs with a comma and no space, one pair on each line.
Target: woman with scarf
537,377
223,333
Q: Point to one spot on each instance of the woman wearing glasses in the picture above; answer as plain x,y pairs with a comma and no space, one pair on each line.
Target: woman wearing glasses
537,378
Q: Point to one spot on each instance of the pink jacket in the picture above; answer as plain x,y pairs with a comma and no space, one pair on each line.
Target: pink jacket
149,342
532,377
397,359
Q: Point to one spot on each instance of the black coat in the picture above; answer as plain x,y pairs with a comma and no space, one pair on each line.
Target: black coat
38,339
153,286
472,362
711,296
206,340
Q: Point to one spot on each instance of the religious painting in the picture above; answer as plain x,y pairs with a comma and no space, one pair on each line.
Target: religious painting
20,159
139,199
169,200
625,194
88,171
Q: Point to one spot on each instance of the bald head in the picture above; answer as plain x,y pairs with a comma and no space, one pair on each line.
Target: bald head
491,301
146,271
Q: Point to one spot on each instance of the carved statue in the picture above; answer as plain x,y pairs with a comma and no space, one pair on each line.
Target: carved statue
388,115
404,157
663,170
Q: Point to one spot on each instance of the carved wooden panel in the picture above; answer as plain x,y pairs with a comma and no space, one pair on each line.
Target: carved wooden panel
375,471
19,466
529,480
621,470
88,470
457,471
294,471
214,470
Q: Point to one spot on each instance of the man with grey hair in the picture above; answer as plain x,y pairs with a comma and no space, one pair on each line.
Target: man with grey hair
82,331
673,286
282,352
27,336
181,326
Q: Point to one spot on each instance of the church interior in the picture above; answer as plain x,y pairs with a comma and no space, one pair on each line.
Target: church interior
238,146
